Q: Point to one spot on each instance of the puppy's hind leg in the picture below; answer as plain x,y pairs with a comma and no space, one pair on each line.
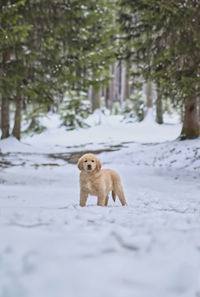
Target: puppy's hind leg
120,193
113,196
106,201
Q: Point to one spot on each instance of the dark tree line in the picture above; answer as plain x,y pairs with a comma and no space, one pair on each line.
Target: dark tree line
163,39
101,47
50,46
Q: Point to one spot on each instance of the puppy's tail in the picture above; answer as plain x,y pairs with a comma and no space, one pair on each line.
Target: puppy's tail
113,196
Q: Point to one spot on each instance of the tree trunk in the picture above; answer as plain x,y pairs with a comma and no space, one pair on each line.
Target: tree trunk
5,112
123,82
111,88
96,95
117,82
199,109
114,85
17,126
107,101
5,120
149,94
0,112
90,95
190,128
149,97
159,109
128,89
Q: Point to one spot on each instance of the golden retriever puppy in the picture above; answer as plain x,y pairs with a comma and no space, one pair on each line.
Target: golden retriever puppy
98,182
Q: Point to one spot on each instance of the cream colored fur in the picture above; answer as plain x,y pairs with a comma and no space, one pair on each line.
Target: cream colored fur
98,182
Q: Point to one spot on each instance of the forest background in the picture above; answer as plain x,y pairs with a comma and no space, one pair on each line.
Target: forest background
75,57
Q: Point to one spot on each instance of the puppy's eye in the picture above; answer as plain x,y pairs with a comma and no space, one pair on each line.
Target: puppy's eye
92,160
85,161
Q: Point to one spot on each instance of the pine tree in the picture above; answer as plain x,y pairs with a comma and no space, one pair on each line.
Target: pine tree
51,46
163,38
12,70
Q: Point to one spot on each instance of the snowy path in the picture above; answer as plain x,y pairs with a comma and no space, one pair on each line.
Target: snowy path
49,246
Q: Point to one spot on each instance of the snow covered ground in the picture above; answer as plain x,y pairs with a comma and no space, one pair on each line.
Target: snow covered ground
49,246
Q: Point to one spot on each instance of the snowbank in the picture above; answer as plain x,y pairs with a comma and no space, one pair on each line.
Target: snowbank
111,131
11,144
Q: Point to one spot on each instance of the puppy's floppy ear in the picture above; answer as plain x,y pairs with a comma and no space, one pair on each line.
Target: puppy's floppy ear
98,162
80,164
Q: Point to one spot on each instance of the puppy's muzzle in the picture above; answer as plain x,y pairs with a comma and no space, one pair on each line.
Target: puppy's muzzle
89,167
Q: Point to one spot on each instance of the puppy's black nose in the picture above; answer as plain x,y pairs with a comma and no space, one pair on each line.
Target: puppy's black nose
89,167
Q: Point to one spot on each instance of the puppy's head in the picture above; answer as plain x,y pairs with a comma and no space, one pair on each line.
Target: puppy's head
89,163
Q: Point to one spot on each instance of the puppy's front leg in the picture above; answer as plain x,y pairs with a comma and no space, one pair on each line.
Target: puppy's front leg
83,197
101,200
